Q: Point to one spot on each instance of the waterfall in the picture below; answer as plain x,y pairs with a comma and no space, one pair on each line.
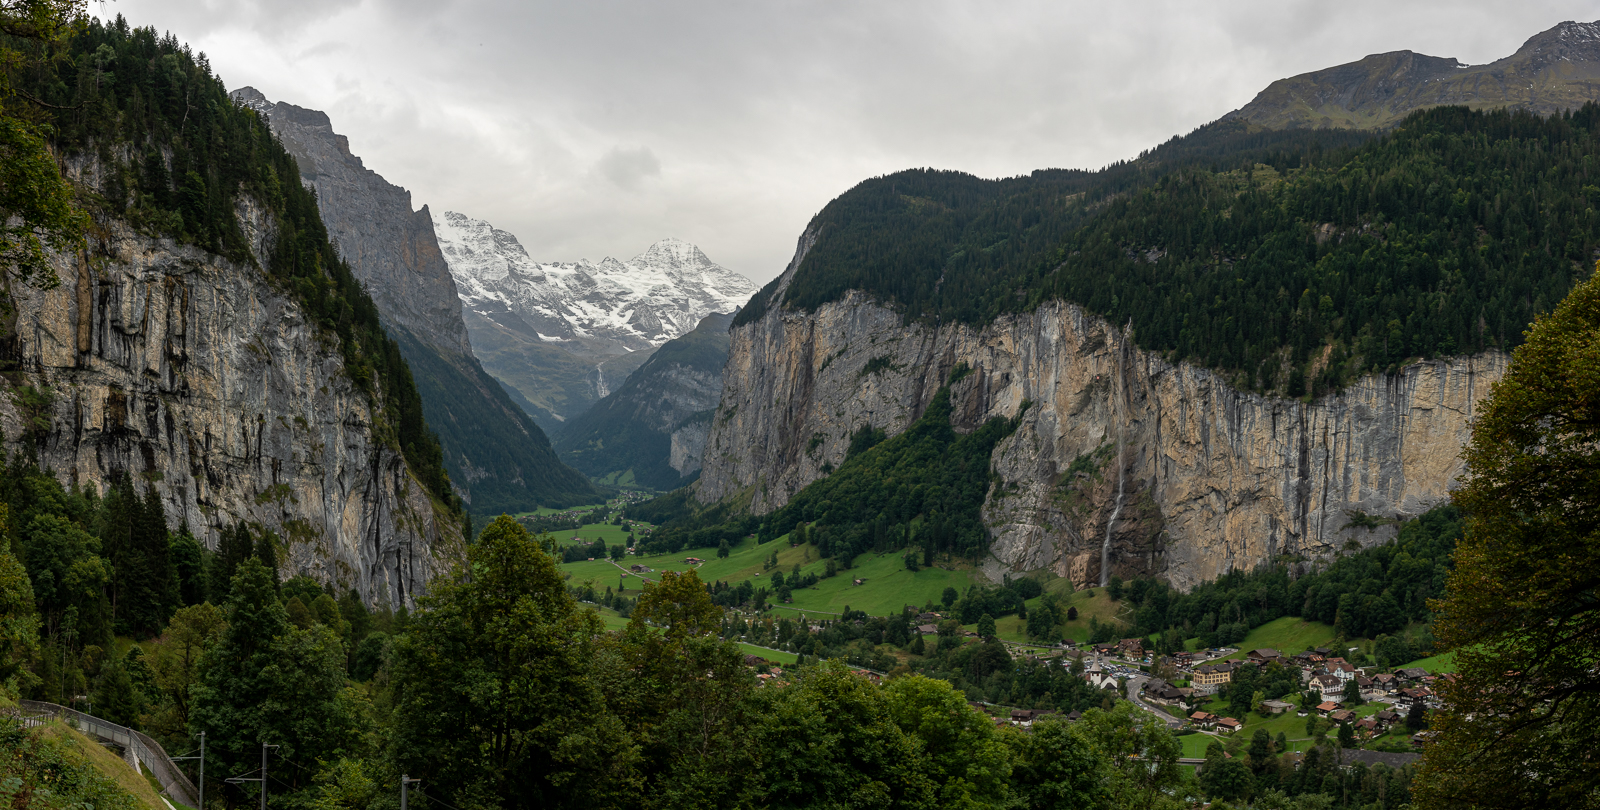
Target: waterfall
1105,550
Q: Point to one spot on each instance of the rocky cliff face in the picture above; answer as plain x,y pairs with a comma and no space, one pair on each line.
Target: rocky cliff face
497,457
1555,70
197,376
390,247
1122,464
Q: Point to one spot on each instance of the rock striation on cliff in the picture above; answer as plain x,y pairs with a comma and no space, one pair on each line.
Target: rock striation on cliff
497,457
198,376
1122,464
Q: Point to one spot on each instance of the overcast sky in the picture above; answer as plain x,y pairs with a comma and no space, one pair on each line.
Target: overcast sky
593,128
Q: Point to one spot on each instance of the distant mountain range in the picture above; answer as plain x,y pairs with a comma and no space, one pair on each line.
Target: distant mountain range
1555,70
563,335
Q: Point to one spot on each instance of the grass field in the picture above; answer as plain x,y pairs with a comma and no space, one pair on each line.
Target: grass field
107,763
779,656
1443,662
1287,635
887,585
589,533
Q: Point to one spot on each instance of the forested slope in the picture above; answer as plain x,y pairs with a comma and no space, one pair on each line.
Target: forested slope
651,431
1291,261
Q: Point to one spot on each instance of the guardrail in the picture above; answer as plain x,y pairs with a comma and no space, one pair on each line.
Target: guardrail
137,748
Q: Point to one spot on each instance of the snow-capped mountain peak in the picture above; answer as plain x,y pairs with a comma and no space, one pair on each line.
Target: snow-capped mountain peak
605,308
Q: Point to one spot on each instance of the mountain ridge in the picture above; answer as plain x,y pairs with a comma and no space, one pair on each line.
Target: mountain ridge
1554,70
565,334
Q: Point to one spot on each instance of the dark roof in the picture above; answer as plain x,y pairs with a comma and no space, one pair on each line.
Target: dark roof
1393,760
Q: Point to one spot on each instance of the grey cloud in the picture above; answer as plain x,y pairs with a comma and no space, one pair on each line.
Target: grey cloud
627,168
513,110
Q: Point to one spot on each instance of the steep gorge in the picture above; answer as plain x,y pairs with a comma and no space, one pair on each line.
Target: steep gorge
1211,478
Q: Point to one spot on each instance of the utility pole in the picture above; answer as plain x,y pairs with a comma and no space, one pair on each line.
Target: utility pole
202,759
262,779
405,780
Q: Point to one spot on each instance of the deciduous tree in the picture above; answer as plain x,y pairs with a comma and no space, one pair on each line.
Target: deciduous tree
1522,596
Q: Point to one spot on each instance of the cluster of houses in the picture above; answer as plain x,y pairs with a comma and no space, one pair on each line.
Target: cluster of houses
1320,671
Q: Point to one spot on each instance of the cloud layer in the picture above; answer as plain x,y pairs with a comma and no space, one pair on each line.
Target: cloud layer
595,128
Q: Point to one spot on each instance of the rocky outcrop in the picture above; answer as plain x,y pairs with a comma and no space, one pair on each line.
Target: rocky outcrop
1122,464
197,376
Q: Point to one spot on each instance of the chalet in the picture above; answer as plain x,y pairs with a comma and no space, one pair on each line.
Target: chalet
1326,685
1323,651
1265,655
1327,707
1104,649
1159,691
927,630
1026,717
1203,719
1276,706
1385,682
1369,688
1367,725
1424,737
1208,678
693,560
1387,718
869,675
1229,725
1342,716
1131,647
928,617
1411,673
1413,697
1073,717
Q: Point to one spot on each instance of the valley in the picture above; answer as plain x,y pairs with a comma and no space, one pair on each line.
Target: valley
1255,470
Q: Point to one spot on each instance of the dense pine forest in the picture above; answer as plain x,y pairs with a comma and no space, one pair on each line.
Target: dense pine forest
176,158
1293,264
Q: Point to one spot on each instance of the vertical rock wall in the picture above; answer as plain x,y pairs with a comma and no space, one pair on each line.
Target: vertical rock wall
195,375
1201,478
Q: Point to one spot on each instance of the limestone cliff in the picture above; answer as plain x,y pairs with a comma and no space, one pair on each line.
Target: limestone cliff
199,376
1158,468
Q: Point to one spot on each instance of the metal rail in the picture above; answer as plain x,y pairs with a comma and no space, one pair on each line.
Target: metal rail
138,749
